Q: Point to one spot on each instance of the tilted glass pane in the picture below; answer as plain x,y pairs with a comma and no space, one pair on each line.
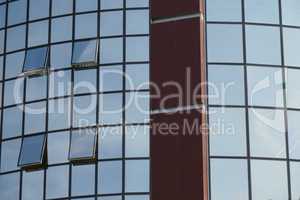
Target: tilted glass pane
85,52
35,59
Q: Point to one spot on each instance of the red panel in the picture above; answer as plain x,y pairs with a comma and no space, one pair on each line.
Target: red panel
169,8
176,159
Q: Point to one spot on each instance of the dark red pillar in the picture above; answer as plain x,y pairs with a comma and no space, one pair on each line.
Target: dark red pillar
179,156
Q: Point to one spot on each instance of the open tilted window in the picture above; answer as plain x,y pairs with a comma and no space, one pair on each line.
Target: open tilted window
36,61
83,146
33,152
85,53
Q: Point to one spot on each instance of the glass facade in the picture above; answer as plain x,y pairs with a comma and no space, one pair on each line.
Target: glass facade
96,53
253,62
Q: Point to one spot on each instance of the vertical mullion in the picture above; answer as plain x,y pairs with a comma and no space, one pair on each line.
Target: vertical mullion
124,101
284,81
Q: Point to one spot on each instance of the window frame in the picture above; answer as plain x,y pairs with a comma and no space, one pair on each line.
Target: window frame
85,64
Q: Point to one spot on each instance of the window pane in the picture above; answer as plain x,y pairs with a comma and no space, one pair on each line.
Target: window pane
33,185
111,23
83,180
262,11
14,64
61,55
137,197
137,176
110,197
267,133
12,122
16,38
111,50
85,81
84,29
60,83
36,88
13,92
58,147
2,35
265,86
137,141
83,144
229,179
269,180
109,4
86,5
57,182
226,85
110,142
10,186
111,108
59,114
35,117
61,7
224,10
137,49
59,24
137,107
137,21
9,155
35,59
291,46
295,183
220,37
137,77
111,78
2,15
110,177
84,110
17,12
32,150
137,3
263,45
227,131
293,88
38,33
85,53
38,9
290,14
294,134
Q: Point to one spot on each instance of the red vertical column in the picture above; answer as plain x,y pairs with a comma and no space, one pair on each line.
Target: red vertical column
179,156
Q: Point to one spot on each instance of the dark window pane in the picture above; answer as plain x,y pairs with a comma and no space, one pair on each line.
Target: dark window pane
85,53
32,150
35,59
83,144
33,185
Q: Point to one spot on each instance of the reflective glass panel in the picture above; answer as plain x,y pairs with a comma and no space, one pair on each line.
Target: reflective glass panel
137,21
137,107
15,38
2,15
295,183
137,197
83,180
61,55
263,45
110,198
290,12
9,186
109,4
2,34
226,85
291,43
35,59
84,29
110,177
111,50
111,23
294,134
35,117
265,86
267,133
137,49
59,24
262,11
137,176
36,88
137,3
227,131
38,33
269,180
59,116
229,179
32,150
58,147
85,81
220,37
14,64
111,78
61,7
293,88
85,52
83,144
224,10
17,12
137,77
12,122
38,9
137,141
60,83
86,5
111,108
57,182
110,142
13,91
33,185
9,155
84,110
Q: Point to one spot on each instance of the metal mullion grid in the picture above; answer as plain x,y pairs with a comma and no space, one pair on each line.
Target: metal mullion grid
284,81
124,102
